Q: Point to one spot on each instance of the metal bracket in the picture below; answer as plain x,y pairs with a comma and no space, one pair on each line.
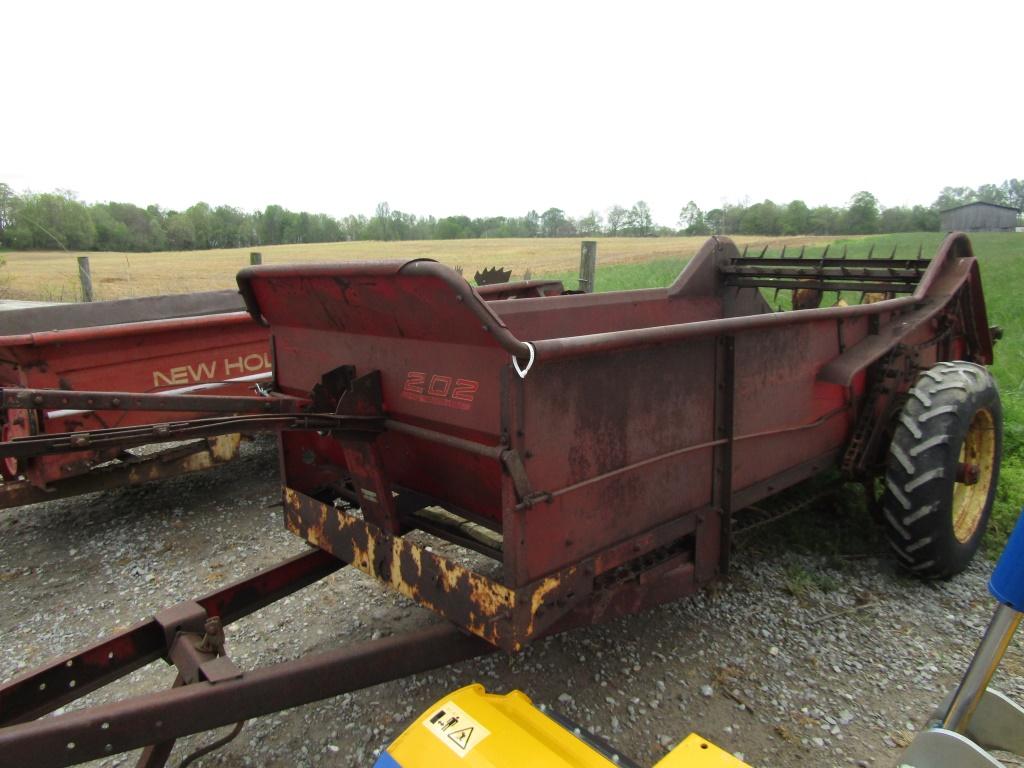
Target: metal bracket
198,655
188,616
513,463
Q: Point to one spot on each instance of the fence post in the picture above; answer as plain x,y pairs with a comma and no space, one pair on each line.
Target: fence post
85,278
588,265
255,257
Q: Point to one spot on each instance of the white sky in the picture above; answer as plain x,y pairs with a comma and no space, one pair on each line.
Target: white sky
494,109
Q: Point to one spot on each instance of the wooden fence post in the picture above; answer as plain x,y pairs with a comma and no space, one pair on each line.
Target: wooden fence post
85,278
255,257
588,265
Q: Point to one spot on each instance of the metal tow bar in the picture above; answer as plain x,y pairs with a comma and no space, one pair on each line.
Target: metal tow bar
210,690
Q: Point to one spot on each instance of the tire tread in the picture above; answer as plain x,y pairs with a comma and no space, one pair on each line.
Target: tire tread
940,405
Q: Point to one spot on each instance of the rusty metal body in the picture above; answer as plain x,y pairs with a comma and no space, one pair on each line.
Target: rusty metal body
609,472
171,344
96,369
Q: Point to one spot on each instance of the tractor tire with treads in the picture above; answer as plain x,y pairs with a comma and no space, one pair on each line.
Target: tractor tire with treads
942,469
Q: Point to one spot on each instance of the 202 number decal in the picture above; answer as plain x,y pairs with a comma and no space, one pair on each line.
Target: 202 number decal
437,389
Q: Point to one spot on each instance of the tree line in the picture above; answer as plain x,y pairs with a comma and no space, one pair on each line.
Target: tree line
59,220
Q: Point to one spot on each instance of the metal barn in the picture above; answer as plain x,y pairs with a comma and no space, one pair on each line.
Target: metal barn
979,217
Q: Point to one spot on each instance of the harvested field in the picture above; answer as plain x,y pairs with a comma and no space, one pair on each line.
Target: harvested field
53,275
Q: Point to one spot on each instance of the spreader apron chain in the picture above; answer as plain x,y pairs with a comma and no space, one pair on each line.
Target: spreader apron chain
979,718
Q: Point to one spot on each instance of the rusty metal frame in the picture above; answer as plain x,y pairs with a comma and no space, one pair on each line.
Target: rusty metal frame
65,679
507,617
12,397
63,317
144,434
159,718
523,289
722,480
210,690
181,459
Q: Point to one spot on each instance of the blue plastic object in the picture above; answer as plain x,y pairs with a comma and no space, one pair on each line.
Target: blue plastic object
386,761
1007,582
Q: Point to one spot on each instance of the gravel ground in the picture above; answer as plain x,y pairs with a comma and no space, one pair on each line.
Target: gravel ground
814,650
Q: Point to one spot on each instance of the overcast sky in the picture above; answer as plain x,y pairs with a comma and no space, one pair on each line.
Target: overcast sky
496,108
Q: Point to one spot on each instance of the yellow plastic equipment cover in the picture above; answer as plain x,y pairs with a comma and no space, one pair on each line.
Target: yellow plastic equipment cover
695,751
471,728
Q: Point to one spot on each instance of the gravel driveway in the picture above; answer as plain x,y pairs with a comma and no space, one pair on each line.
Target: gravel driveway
814,650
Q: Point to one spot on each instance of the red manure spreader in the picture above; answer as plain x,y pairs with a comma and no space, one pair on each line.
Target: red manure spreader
600,449
177,346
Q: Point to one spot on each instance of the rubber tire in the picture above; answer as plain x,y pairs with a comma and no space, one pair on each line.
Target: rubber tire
917,514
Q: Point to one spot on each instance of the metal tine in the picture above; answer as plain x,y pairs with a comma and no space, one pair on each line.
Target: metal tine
862,295
844,254
744,254
871,250
821,267
920,251
783,254
761,254
893,254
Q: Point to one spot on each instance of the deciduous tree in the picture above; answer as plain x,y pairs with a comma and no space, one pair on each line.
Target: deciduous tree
796,218
692,220
862,215
638,221
590,224
616,219
552,221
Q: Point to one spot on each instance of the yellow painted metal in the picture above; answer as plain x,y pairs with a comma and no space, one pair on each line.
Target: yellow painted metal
520,735
697,752
979,448
517,734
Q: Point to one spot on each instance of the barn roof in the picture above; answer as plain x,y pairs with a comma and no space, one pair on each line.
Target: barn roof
980,202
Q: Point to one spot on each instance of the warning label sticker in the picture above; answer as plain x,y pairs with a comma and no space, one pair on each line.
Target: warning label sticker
457,730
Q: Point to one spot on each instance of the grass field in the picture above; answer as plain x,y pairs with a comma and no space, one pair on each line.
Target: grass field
53,275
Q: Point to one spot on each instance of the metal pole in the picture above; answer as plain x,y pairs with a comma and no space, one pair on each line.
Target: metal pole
85,277
255,258
588,265
975,681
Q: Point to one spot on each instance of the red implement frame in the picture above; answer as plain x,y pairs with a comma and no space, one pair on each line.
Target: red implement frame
611,470
172,344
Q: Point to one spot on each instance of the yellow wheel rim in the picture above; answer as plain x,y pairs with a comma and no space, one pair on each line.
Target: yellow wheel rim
979,449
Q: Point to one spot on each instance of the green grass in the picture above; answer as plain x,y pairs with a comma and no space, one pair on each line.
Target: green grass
801,582
1001,259
624,277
